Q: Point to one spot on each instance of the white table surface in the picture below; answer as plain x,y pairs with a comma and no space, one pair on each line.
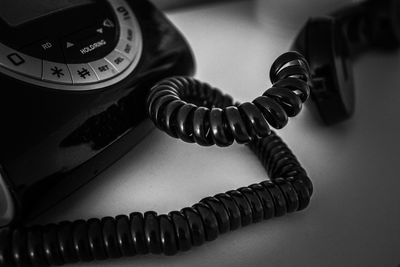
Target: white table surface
354,215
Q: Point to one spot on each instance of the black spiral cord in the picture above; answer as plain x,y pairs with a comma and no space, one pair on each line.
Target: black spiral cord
173,107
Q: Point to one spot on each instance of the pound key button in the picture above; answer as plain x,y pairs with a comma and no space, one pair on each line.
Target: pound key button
56,72
82,74
120,61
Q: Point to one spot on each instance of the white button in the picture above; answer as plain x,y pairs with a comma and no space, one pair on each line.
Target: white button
19,62
104,69
56,72
123,12
119,61
128,49
127,33
82,73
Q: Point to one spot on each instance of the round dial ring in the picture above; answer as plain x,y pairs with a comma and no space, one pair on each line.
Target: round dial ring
96,74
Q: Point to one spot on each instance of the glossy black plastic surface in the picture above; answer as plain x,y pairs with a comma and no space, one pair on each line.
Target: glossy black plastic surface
330,44
52,141
322,43
76,24
288,190
172,105
372,24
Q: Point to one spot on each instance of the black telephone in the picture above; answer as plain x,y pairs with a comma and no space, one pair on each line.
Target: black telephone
81,82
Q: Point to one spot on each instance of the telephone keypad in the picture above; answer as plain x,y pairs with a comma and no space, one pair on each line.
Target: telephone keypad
74,59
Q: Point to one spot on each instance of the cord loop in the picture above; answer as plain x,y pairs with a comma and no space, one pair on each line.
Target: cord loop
194,112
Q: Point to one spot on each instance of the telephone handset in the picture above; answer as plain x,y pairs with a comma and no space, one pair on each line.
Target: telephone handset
80,79
331,43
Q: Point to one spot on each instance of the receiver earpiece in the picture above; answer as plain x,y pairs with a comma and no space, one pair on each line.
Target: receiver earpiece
321,42
330,43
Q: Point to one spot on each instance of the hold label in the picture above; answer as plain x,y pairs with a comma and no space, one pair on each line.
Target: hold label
93,46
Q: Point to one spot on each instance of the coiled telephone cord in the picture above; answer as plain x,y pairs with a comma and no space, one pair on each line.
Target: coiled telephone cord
172,107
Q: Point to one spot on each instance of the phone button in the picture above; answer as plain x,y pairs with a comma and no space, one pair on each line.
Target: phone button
56,72
127,33
126,48
19,62
104,69
82,73
119,60
123,12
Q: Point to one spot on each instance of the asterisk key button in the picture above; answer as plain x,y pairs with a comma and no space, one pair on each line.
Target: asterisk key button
56,72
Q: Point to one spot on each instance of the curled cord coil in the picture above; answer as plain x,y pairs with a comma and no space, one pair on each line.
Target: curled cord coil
289,189
172,106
